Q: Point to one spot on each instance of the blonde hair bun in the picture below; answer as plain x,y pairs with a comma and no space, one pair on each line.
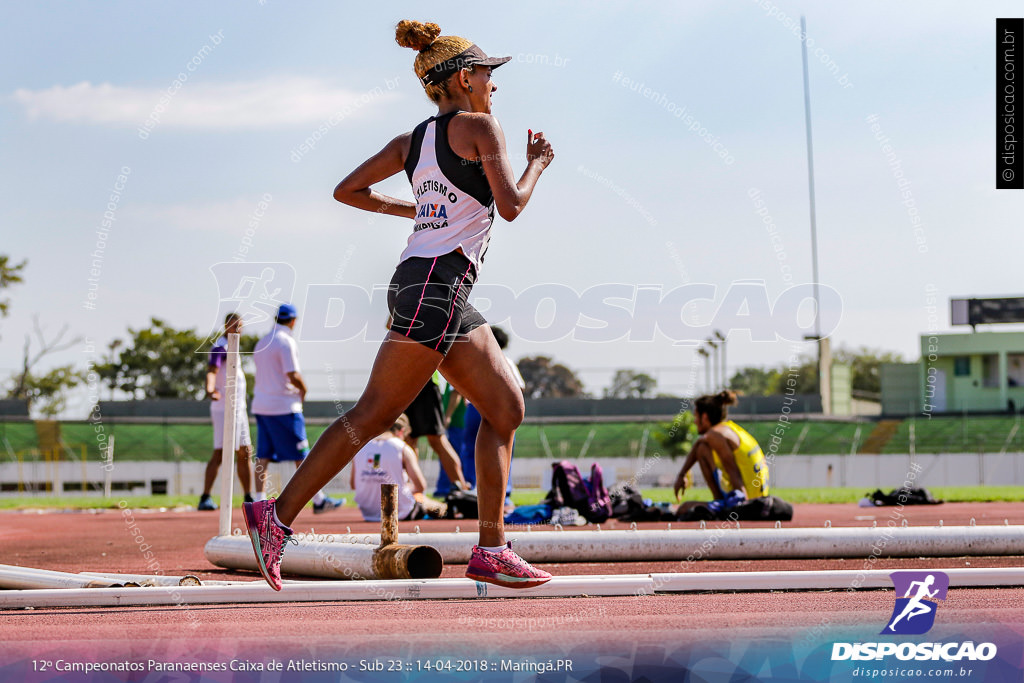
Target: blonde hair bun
416,34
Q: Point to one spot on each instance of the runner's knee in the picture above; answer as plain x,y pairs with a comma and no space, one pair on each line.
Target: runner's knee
505,417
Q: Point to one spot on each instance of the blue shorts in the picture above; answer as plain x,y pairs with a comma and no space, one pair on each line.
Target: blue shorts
281,437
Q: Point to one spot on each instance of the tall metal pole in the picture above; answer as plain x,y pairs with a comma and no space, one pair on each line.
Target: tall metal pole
824,353
707,368
725,373
810,180
714,363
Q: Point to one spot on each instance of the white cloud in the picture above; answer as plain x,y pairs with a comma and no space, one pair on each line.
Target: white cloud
264,103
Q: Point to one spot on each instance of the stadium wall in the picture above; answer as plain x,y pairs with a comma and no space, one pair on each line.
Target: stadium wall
620,408
790,471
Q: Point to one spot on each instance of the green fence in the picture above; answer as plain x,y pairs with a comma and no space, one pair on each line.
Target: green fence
176,440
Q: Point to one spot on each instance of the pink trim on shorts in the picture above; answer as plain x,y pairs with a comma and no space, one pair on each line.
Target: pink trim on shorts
425,283
455,300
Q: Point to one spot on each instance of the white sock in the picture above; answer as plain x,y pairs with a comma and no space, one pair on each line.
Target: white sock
495,549
259,496
318,498
277,520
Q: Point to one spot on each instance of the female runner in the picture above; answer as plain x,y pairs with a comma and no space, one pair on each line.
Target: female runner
460,173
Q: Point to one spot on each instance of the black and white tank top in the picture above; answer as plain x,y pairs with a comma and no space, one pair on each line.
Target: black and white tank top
454,204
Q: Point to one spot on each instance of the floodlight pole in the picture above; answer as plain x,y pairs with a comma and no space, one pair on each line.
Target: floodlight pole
824,359
714,365
707,368
725,374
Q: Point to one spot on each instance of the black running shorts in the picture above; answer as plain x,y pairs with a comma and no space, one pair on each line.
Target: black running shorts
428,300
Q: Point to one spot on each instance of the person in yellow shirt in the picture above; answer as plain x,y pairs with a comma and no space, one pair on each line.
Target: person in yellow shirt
730,459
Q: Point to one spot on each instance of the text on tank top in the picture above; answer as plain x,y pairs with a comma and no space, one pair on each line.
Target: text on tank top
454,204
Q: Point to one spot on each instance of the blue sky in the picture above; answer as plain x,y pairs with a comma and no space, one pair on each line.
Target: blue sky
633,198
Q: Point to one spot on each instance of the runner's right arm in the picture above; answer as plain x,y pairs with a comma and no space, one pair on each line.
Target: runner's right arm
356,189
487,141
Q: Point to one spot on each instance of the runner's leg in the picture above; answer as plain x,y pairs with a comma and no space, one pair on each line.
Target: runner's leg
400,370
478,370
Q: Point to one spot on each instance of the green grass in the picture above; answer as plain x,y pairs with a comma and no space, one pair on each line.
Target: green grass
96,502
100,503
952,435
952,494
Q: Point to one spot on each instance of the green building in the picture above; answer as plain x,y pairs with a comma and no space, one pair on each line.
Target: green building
972,372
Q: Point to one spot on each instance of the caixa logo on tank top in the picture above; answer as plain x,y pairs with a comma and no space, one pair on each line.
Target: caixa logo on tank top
438,211
430,210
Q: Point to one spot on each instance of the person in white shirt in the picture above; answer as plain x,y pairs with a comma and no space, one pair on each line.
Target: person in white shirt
388,459
277,404
216,379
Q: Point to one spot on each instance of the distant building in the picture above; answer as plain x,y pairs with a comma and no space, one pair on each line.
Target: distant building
973,372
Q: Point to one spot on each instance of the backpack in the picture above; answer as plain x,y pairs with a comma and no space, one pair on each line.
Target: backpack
658,512
764,509
570,489
625,499
599,503
461,504
910,496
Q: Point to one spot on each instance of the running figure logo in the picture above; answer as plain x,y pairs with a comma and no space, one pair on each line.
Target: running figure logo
252,290
914,613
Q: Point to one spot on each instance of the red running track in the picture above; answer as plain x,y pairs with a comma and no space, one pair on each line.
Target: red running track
110,540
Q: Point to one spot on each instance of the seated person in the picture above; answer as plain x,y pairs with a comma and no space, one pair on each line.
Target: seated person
387,459
730,459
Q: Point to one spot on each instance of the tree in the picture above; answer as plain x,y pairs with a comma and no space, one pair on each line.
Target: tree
10,274
46,393
865,366
161,362
546,379
864,362
630,384
677,437
753,381
803,379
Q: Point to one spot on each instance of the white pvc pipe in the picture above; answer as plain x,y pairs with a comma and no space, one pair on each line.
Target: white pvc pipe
27,578
338,561
721,542
324,591
156,579
428,589
825,580
227,461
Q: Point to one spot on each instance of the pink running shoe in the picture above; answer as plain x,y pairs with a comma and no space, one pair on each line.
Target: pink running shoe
268,539
504,569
